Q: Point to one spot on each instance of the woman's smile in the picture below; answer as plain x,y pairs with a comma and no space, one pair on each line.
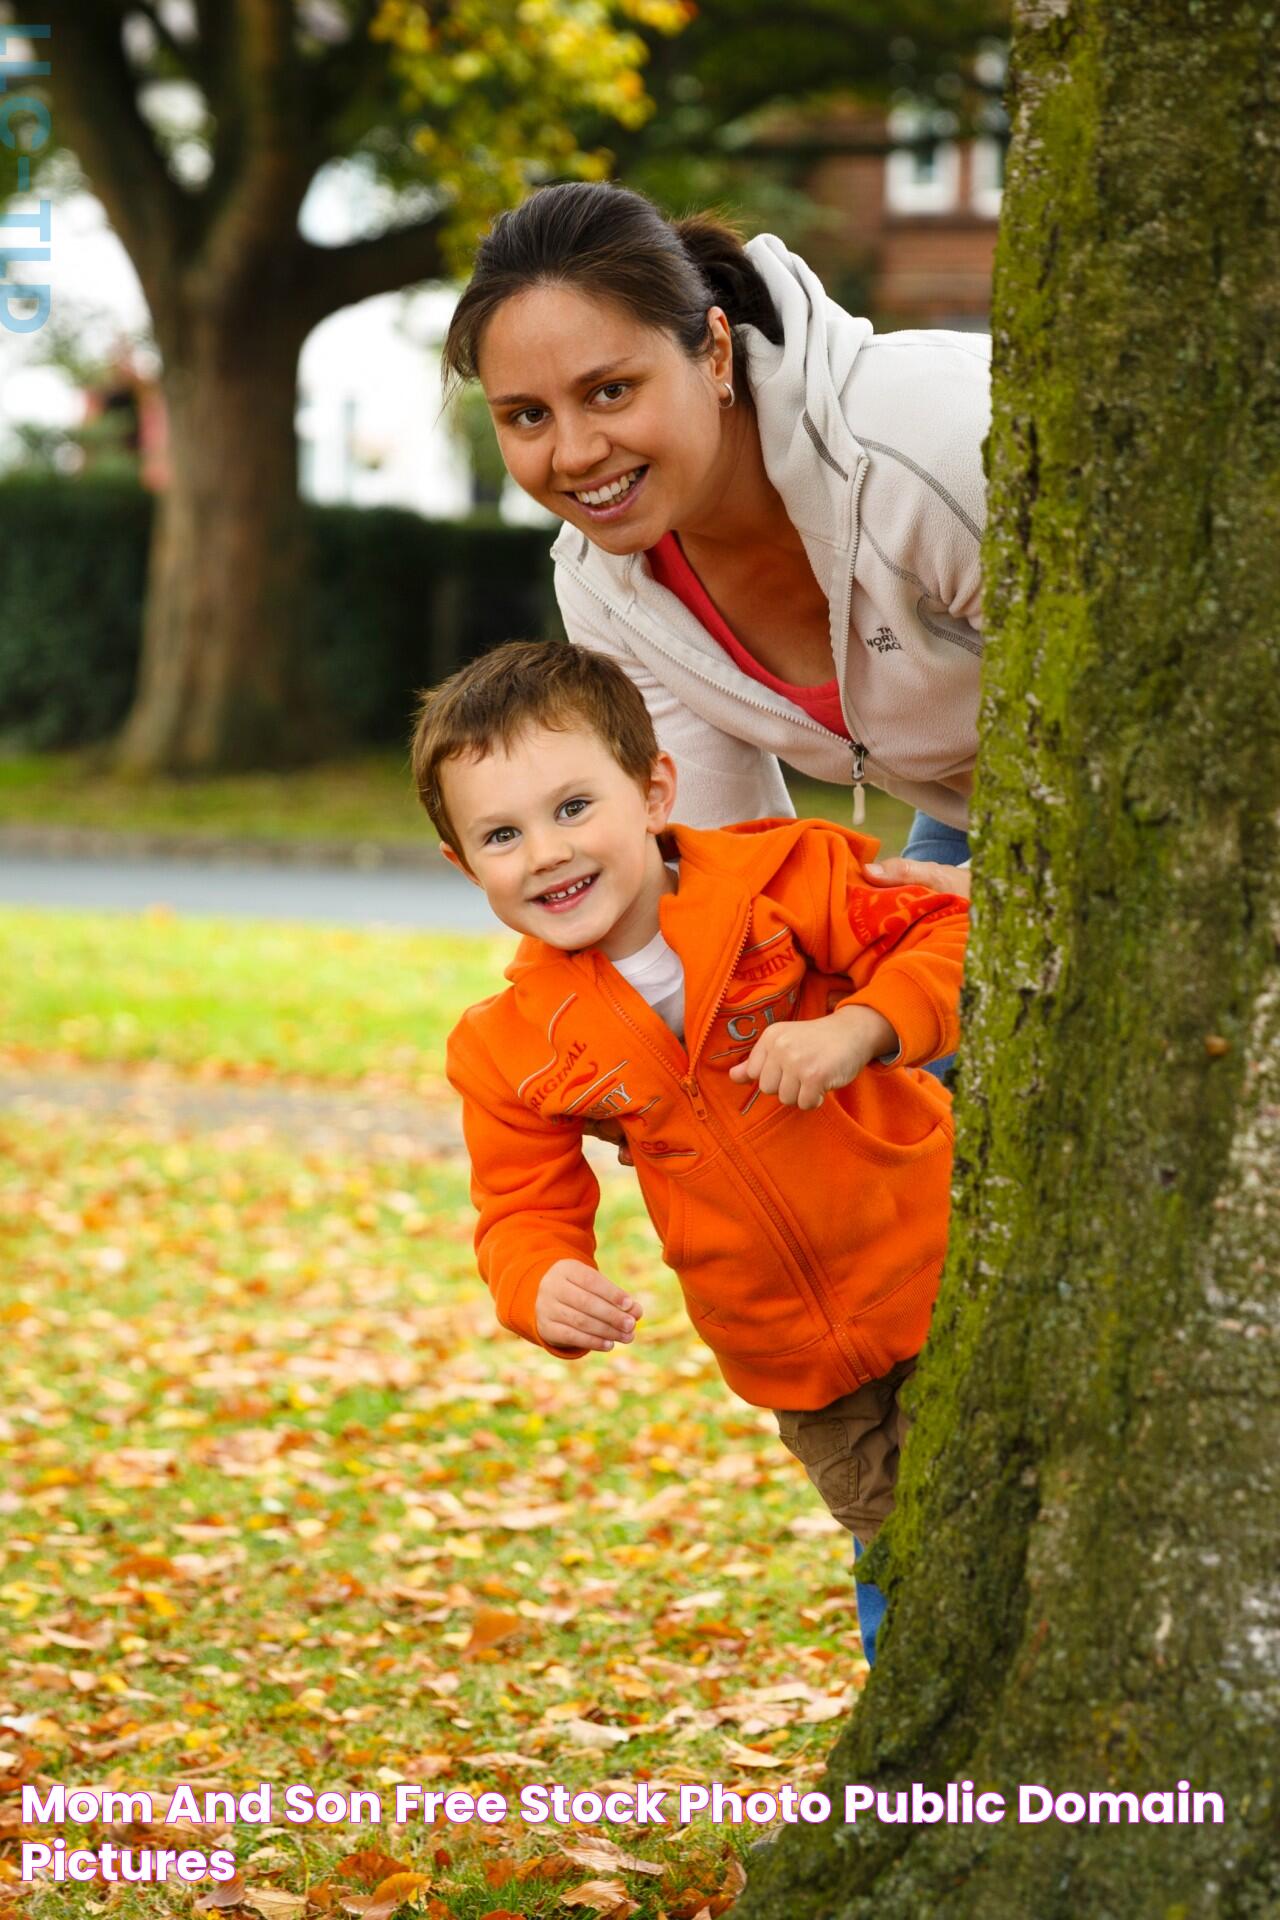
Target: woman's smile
610,499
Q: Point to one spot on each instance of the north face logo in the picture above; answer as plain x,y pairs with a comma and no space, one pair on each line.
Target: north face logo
885,640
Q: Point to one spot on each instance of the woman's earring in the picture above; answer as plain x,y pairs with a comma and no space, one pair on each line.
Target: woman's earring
727,400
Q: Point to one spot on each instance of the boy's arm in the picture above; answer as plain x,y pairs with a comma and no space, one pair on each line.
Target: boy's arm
530,1184
902,947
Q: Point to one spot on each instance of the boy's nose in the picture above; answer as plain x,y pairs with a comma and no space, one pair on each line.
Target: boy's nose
548,849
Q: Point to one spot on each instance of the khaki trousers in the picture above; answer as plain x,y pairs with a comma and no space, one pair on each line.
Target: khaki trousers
850,1450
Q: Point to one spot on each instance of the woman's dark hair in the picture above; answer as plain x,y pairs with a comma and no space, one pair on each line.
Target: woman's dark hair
612,244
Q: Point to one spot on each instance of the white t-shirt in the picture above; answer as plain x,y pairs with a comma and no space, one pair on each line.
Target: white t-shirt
658,977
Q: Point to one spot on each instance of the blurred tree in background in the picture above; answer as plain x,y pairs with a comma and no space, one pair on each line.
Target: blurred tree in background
202,124
201,128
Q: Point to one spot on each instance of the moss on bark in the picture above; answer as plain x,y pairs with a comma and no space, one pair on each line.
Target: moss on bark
1082,1568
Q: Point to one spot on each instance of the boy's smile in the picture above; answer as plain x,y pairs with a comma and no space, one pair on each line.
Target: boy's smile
562,839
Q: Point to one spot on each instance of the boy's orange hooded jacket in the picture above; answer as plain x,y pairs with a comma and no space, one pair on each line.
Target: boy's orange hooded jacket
808,1244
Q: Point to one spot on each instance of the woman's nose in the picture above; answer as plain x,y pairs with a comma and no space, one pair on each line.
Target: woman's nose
581,446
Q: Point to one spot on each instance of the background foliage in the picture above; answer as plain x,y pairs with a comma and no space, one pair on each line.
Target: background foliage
401,602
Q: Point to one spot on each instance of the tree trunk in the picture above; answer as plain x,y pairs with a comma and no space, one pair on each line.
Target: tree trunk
223,678
1081,1573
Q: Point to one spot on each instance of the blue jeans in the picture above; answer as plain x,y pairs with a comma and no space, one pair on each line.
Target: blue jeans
949,846
931,840
871,1606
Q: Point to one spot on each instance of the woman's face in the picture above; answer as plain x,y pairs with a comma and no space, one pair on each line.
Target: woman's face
607,421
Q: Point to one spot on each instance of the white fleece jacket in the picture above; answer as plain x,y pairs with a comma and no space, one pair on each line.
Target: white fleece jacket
875,445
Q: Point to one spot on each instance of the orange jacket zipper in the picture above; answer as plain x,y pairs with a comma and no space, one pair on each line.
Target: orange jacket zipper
689,1085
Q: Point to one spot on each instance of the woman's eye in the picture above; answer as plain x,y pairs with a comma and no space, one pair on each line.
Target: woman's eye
528,417
613,389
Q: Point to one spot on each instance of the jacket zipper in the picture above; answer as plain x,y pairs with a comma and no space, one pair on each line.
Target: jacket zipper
689,1086
859,791
841,626
761,706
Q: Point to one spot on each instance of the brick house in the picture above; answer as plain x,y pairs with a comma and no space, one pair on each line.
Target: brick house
908,232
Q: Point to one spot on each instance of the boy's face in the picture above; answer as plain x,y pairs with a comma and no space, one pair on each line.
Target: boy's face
562,840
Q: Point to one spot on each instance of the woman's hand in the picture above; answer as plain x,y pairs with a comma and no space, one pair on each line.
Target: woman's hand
919,873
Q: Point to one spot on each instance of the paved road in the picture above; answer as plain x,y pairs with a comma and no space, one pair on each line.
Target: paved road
157,1100
442,901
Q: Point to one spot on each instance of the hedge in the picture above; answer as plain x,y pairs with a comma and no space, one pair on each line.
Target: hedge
400,602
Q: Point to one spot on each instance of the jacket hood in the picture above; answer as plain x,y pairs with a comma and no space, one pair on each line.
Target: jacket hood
797,386
747,856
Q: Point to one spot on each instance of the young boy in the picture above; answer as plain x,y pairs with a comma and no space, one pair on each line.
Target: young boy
752,1015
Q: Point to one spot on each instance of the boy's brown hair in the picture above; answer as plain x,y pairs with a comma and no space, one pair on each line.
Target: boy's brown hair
526,683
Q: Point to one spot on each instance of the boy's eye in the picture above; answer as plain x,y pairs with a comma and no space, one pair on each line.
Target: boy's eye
499,836
572,808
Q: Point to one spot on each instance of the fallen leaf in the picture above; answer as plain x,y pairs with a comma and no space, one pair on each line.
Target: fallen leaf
489,1625
425,1766
826,1706
275,1905
603,1853
751,1756
609,1897
230,1894
393,1893
371,1866
592,1733
522,1519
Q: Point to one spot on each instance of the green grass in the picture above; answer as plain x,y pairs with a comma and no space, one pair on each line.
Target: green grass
370,799
367,800
236,997
283,1503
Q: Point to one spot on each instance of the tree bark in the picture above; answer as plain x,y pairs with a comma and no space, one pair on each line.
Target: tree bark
1081,1572
222,680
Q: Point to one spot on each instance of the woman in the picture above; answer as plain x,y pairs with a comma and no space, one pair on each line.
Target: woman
772,518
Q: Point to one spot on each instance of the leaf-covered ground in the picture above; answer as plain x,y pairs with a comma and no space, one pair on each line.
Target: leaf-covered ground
281,1502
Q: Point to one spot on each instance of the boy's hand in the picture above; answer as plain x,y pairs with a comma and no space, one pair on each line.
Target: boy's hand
578,1307
801,1060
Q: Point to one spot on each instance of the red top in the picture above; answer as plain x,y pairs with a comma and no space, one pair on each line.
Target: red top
672,571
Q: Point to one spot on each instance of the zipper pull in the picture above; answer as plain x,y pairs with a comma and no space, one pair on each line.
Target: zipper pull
690,1086
859,791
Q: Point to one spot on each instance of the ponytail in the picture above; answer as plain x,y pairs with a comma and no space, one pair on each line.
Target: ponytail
716,250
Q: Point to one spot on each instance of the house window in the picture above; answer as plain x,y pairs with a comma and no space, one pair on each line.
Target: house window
923,177
986,175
